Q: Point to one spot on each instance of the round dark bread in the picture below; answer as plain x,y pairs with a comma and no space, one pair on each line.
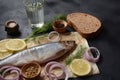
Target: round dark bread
86,24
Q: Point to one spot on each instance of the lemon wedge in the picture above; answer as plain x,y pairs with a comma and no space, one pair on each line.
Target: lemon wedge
2,45
4,55
15,44
80,67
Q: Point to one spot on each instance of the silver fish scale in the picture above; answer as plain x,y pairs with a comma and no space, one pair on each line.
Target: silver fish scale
39,53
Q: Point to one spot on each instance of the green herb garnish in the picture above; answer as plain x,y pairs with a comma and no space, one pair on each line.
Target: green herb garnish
78,54
36,39
47,27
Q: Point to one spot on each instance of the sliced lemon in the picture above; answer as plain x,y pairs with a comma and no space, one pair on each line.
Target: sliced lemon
15,44
5,54
2,45
80,67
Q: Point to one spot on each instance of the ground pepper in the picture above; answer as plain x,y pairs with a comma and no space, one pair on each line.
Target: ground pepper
31,71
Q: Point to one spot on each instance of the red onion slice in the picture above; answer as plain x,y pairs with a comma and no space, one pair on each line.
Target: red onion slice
52,76
88,54
1,78
46,69
58,66
18,74
4,67
50,66
10,69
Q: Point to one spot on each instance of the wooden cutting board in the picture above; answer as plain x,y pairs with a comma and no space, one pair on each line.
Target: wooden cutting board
43,39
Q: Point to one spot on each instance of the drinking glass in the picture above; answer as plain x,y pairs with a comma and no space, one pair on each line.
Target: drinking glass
35,12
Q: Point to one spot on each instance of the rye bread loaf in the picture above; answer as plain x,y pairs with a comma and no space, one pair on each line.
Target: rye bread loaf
86,24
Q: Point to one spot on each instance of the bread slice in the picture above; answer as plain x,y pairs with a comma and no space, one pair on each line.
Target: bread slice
86,24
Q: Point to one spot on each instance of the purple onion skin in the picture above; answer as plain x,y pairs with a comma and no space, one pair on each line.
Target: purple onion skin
1,78
20,78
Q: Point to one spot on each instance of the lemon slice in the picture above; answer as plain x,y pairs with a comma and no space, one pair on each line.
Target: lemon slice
15,44
5,54
2,45
80,67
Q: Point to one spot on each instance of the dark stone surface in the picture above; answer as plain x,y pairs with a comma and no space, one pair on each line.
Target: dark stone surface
108,42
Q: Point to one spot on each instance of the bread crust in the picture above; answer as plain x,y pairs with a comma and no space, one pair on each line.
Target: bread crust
86,24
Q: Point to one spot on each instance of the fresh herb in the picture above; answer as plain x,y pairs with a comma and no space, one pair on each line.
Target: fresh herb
46,27
39,38
78,54
36,39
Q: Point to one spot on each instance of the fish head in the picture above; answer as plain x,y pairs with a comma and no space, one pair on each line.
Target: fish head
68,44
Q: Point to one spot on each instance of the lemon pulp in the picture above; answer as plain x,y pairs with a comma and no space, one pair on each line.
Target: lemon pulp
80,67
15,44
5,54
2,45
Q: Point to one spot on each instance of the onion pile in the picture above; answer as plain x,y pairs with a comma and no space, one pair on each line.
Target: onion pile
7,70
53,65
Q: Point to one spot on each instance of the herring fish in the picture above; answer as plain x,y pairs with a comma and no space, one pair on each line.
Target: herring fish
41,53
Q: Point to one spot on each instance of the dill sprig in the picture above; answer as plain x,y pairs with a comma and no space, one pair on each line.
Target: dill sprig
47,27
78,54
36,38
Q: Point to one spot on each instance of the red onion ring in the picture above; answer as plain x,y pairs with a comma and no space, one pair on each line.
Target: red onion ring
47,74
1,78
4,67
88,54
56,39
18,74
57,66
10,69
50,66
52,76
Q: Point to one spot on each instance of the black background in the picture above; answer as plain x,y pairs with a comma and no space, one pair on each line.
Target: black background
108,42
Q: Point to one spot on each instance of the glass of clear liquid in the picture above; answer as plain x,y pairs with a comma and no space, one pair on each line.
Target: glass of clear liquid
35,12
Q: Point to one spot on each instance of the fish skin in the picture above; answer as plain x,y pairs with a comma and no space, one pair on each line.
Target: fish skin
41,54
